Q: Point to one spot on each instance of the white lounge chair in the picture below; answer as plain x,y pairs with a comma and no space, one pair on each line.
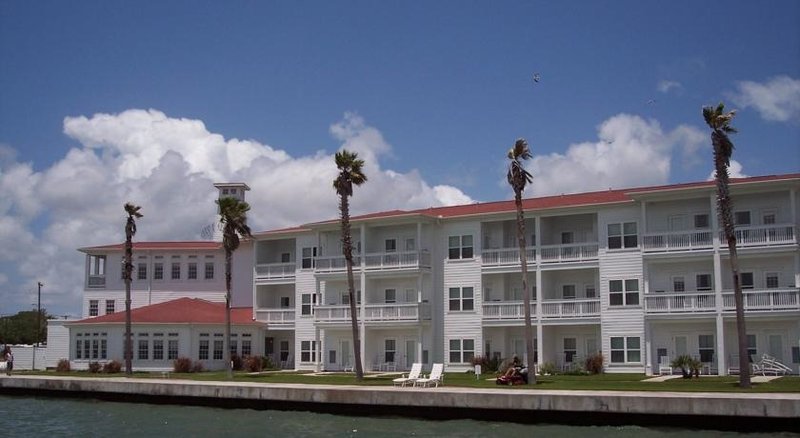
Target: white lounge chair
435,378
664,366
413,376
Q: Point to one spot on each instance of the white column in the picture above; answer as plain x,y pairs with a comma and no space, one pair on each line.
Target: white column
648,349
718,303
644,217
722,367
419,344
540,343
318,365
796,270
793,206
363,295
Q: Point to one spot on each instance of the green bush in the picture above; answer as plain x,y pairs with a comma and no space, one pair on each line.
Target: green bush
112,367
266,363
548,368
594,363
488,364
688,366
63,366
182,365
95,367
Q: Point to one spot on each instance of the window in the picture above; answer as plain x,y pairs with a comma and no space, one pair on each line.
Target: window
176,270
308,351
390,296
795,354
234,346
286,257
202,353
247,348
192,271
703,282
623,292
461,298
568,291
86,347
109,307
706,348
570,349
625,349
678,284
411,244
390,245
462,350
622,235
144,349
95,348
389,349
746,279
460,247
567,237
209,271
141,271
307,304
158,349
307,260
217,348
93,307
103,348
741,218
752,348
768,218
158,271
172,349
591,291
771,280
285,303
97,265
78,346
701,221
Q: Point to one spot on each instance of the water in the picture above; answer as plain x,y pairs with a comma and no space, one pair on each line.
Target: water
54,417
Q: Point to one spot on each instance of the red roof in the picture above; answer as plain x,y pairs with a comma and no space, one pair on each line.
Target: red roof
180,311
144,246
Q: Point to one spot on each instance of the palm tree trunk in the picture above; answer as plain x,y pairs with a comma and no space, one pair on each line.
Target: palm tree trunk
128,273
347,249
227,342
526,293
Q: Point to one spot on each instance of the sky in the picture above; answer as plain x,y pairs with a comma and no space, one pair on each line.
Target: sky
104,102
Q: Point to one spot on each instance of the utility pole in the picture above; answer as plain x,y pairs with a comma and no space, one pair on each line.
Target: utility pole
39,315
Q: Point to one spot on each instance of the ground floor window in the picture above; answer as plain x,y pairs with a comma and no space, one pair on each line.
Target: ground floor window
158,349
706,348
202,351
626,349
247,345
570,349
308,351
389,349
91,346
172,349
462,350
218,345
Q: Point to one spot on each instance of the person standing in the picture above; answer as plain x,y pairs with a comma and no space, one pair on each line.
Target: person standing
9,357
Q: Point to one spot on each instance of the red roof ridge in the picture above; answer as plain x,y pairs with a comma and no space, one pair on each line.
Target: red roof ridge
184,310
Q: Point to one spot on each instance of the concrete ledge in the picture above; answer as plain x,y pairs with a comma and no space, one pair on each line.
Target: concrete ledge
736,411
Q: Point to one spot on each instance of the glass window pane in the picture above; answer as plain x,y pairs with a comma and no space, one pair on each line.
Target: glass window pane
455,344
633,343
631,241
454,292
630,228
618,356
615,299
617,343
632,285
467,292
614,230
466,253
468,304
615,285
466,240
615,242
469,344
453,242
454,253
632,299
634,356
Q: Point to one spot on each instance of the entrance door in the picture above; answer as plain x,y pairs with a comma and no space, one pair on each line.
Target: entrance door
680,346
411,352
776,347
347,354
591,346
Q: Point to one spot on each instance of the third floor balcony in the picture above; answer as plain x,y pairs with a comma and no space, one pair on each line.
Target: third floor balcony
746,236
564,253
402,260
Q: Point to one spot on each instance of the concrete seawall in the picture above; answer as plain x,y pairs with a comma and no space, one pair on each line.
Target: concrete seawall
724,411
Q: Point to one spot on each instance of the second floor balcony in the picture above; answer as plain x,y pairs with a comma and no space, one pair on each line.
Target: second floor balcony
375,262
373,313
275,271
96,281
276,317
514,311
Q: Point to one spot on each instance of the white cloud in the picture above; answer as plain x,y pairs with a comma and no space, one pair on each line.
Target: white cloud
168,165
665,86
777,99
735,170
630,152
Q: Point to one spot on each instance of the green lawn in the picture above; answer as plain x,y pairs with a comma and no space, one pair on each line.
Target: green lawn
607,382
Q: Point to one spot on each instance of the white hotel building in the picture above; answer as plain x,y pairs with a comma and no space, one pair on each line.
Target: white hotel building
636,274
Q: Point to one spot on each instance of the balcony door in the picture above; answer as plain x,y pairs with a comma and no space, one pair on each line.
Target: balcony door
411,352
681,348
775,345
347,354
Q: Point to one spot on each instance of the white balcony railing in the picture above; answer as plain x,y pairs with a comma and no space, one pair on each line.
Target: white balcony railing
573,252
335,263
334,313
766,299
506,310
680,302
506,256
275,270
275,316
571,308
376,261
97,281
677,240
390,312
764,235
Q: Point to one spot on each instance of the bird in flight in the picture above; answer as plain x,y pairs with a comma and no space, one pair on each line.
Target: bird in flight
536,77
651,101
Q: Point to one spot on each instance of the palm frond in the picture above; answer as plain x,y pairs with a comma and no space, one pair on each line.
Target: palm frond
350,172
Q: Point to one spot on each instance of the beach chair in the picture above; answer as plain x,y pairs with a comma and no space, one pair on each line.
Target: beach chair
413,375
435,378
664,366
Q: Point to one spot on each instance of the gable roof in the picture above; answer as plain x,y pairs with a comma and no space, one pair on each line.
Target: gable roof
179,311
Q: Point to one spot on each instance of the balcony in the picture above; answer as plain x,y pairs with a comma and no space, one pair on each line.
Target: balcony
583,308
764,300
374,313
677,241
681,303
275,271
376,262
765,235
97,281
506,256
276,316
572,252
506,311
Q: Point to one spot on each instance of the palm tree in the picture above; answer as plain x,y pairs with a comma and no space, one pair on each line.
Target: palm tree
720,123
130,230
233,217
518,178
350,173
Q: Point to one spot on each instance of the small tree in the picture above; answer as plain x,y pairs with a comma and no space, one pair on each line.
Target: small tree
130,230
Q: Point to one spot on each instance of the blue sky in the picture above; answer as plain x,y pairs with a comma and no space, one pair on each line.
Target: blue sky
114,100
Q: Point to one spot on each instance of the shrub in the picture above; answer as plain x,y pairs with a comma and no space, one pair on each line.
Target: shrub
197,367
688,366
253,363
594,363
95,367
237,362
112,367
182,365
266,363
63,366
488,365
548,368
